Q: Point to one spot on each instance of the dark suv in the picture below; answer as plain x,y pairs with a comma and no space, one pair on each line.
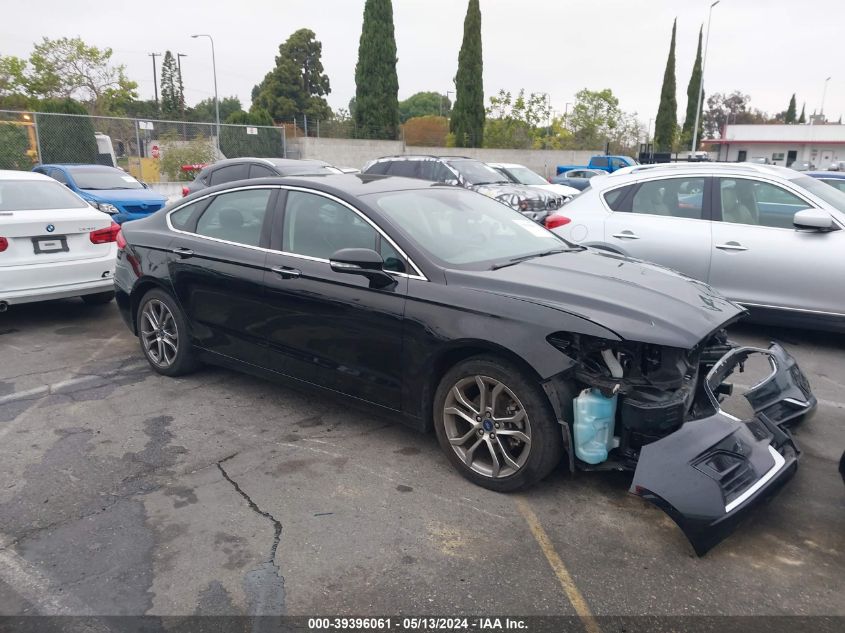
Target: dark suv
233,169
471,174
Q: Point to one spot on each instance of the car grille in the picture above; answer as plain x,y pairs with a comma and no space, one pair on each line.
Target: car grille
146,208
727,464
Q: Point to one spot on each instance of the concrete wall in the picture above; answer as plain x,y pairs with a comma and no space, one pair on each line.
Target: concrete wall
355,153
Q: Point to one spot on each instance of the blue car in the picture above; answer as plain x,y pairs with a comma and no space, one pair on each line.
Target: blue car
109,189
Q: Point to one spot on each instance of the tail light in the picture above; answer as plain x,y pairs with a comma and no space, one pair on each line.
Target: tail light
106,235
121,241
555,220
4,244
185,191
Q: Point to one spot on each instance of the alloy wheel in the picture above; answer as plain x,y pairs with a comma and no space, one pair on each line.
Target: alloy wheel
487,426
159,333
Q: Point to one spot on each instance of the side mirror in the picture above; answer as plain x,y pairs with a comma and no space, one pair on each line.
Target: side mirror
812,220
362,261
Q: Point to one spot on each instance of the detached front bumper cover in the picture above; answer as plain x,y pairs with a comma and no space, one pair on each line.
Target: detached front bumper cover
708,474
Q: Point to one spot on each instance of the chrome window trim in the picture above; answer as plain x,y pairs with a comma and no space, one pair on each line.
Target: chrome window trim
419,275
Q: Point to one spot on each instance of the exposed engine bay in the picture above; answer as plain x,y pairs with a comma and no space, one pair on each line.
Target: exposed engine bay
657,411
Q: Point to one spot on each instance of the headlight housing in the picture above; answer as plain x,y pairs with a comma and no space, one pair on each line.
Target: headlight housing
105,207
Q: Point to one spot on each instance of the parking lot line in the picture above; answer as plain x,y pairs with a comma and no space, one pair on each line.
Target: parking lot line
576,598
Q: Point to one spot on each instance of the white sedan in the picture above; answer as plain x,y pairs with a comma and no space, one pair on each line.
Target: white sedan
521,175
52,243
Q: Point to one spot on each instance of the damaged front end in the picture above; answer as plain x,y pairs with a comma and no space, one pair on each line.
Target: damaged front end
658,411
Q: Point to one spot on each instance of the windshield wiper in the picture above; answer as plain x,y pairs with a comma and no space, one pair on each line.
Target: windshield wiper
522,258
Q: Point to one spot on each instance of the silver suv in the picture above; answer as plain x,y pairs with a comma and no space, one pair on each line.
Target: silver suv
767,237
471,174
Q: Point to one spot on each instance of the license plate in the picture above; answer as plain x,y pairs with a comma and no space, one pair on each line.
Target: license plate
57,244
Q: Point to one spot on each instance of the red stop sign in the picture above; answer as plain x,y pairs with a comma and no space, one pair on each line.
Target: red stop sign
155,151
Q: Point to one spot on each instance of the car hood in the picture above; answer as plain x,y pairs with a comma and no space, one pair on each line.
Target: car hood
636,300
562,190
123,195
499,189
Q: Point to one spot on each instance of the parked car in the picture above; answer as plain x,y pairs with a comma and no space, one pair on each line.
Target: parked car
470,174
521,175
109,189
802,165
758,234
577,178
233,169
447,310
53,244
833,178
602,163
837,165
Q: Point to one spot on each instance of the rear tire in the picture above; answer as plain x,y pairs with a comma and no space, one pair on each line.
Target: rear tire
98,298
507,438
163,334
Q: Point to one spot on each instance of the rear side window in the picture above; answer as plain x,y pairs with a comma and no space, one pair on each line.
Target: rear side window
182,219
261,171
405,168
37,195
599,161
237,216
230,173
616,198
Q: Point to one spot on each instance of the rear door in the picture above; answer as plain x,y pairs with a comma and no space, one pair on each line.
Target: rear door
216,266
329,328
665,221
760,259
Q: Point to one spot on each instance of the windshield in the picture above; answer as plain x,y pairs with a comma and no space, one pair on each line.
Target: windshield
525,176
37,195
476,172
104,179
831,195
463,229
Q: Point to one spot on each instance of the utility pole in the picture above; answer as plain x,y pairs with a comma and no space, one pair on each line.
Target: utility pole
179,57
701,82
155,76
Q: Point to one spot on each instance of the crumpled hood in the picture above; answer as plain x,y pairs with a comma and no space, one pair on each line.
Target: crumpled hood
499,189
636,300
123,196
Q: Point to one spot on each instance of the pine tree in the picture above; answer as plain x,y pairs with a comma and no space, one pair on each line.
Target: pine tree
666,123
790,111
169,87
693,91
376,84
802,118
467,122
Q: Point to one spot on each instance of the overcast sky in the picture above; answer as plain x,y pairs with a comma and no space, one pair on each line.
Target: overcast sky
767,48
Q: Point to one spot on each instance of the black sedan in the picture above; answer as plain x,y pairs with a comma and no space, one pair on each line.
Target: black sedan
448,310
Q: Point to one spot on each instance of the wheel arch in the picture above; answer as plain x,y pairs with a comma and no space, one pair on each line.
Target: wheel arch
141,288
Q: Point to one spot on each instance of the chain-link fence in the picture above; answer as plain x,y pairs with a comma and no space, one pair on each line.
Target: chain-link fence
151,150
304,126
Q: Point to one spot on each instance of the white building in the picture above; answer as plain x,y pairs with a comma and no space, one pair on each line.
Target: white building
821,145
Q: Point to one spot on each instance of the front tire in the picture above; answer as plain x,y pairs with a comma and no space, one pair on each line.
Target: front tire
163,333
496,425
98,298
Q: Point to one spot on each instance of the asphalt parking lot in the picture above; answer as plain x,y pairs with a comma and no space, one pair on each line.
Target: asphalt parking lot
123,492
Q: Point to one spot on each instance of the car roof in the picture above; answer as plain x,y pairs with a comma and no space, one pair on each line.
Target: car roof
12,174
276,162
634,173
421,157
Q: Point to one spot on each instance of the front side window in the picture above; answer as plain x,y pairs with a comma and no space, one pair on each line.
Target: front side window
477,173
758,203
229,173
317,227
237,216
838,183
405,168
675,197
599,161
379,168
525,176
436,171
462,229
834,198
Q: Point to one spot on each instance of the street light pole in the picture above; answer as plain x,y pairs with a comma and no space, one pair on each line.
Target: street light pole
155,76
179,57
701,83
216,99
824,94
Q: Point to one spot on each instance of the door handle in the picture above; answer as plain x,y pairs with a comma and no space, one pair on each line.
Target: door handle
626,235
286,273
731,246
183,252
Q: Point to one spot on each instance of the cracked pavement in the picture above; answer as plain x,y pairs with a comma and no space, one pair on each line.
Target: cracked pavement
124,492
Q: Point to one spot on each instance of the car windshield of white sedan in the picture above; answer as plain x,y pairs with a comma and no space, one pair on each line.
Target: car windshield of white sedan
833,196
105,178
525,176
37,195
463,229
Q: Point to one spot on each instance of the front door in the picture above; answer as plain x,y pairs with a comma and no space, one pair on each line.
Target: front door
663,221
328,328
217,269
760,259
791,157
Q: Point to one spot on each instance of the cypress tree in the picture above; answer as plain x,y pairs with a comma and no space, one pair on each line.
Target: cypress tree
693,90
376,84
666,123
790,111
802,118
169,86
467,122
